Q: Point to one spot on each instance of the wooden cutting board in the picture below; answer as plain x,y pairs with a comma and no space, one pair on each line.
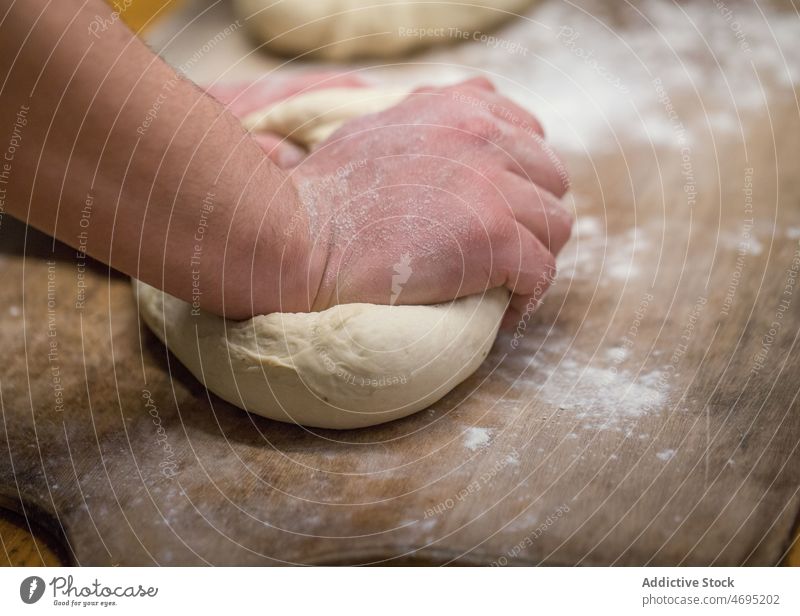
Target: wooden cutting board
649,415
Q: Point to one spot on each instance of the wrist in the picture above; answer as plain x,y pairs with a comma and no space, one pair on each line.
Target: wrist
299,266
286,271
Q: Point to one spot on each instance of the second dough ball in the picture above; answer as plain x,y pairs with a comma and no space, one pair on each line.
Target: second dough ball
346,29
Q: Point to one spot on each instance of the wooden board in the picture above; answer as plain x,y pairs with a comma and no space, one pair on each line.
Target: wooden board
647,417
24,545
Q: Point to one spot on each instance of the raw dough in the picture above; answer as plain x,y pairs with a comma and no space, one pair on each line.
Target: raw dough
311,117
350,366
346,29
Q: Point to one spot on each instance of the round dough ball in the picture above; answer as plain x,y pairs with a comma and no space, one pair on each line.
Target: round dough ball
347,29
349,366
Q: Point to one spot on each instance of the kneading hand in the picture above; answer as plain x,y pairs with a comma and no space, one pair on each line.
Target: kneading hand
451,192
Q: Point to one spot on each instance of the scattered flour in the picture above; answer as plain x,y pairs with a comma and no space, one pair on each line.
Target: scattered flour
476,438
603,397
756,247
587,226
735,241
665,455
622,271
598,392
591,252
618,354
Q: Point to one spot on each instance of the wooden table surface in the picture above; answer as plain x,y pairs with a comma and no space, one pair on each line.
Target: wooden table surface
649,416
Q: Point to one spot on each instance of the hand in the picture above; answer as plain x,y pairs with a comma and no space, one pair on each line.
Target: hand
451,192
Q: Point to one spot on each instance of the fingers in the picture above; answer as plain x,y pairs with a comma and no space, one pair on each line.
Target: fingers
519,313
525,267
522,307
504,109
522,263
475,107
281,151
522,135
538,210
482,83
536,162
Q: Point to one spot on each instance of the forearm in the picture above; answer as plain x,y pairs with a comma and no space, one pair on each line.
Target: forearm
122,157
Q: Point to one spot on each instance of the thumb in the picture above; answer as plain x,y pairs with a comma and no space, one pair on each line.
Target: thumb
281,151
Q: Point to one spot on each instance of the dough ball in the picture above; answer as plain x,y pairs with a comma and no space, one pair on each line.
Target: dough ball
347,29
350,366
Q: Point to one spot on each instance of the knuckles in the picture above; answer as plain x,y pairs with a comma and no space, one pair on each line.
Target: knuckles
479,128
